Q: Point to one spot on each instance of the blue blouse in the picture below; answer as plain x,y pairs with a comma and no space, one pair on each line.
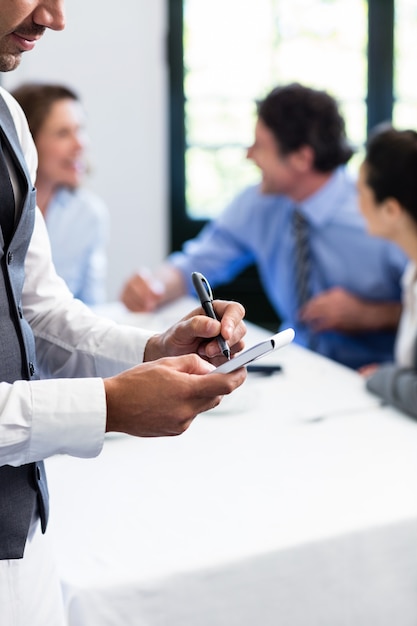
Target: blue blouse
78,226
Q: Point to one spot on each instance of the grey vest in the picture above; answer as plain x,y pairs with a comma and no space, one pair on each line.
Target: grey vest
24,487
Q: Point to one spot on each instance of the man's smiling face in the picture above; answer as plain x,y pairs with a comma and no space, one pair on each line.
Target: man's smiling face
22,23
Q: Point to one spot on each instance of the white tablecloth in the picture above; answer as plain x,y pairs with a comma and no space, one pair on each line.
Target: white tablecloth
293,503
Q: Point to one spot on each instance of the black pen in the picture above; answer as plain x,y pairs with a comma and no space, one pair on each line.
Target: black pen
205,295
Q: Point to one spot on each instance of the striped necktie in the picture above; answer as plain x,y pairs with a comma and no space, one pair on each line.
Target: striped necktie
7,200
302,269
302,258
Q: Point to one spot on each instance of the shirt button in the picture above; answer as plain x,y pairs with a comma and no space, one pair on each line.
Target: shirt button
31,368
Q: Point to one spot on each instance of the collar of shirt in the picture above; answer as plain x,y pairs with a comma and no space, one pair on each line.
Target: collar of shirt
320,206
63,197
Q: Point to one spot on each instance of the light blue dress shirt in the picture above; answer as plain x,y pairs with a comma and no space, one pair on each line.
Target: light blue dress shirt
256,228
78,227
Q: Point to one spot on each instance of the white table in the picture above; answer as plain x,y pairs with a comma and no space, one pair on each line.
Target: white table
292,503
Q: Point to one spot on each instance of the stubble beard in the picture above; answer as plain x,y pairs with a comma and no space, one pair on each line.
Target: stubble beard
10,55
9,62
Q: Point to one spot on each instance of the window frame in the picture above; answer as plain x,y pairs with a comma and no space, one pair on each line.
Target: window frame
380,99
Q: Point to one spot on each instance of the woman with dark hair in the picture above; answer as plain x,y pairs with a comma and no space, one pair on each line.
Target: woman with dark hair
76,219
388,199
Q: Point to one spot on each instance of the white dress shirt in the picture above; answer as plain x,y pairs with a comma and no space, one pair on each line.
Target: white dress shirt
65,411
407,330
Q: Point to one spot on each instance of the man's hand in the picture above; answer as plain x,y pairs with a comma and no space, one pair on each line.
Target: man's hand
162,398
197,333
146,290
142,292
337,309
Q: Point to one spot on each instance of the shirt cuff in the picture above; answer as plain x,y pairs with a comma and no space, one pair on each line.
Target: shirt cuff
69,417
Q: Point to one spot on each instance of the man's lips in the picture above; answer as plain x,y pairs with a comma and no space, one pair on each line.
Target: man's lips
25,42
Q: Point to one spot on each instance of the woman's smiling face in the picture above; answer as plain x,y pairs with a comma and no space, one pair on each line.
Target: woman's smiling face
61,142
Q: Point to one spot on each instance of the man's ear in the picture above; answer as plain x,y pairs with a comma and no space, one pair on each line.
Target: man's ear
303,159
392,209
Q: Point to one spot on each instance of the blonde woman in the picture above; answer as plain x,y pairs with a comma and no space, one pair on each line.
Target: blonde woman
76,219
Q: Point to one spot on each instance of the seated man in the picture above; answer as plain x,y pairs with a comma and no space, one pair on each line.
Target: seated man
350,306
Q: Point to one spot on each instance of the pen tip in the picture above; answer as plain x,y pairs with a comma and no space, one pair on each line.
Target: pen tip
227,354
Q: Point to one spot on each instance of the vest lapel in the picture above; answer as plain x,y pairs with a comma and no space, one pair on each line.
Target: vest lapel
21,488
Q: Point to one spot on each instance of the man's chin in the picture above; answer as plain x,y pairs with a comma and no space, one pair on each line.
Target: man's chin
266,189
9,62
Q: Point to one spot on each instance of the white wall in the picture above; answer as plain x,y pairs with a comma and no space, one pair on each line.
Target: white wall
113,54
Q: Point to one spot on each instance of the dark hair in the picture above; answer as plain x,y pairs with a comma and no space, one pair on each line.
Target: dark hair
300,116
391,166
36,100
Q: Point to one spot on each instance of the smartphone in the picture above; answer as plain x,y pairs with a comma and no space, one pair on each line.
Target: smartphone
256,352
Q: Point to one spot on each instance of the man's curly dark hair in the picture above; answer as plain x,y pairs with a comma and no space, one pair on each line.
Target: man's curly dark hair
299,116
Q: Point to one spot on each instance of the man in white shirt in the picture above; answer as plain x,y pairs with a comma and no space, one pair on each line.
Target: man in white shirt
85,379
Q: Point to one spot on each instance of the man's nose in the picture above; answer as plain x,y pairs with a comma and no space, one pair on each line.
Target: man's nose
50,14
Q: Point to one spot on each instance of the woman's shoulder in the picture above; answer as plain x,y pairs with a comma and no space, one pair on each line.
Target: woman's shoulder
83,199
